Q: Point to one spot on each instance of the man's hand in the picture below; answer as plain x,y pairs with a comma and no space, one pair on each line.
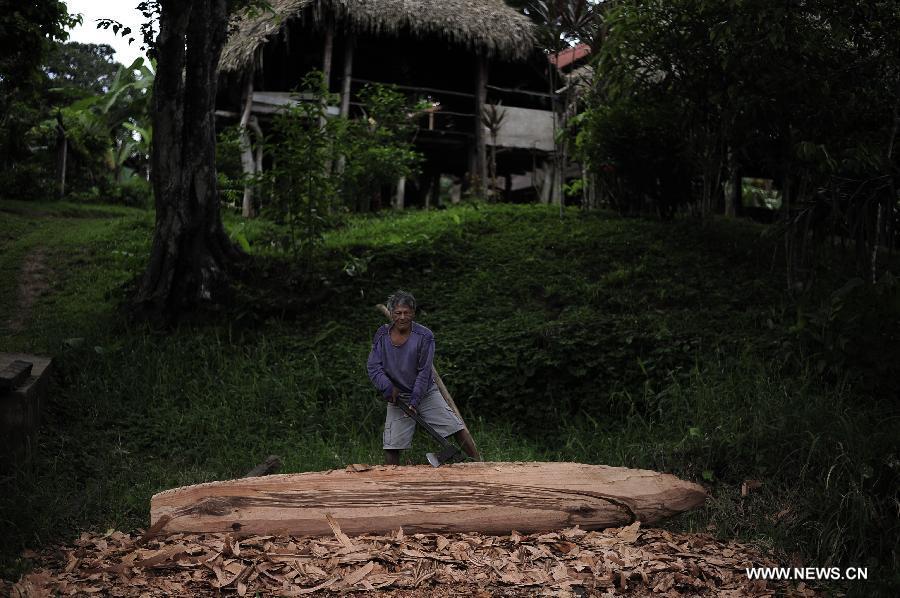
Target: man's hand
394,394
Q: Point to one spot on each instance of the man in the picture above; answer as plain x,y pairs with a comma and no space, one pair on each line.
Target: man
400,364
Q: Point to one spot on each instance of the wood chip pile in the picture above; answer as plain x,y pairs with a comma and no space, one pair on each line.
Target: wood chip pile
572,562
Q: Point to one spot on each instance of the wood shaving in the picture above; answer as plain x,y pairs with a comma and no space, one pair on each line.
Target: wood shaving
630,560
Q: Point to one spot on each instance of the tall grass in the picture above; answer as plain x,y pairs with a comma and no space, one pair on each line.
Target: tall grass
828,468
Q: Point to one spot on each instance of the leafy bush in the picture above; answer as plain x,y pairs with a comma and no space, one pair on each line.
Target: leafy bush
321,162
303,147
638,154
30,180
134,191
229,173
855,332
378,147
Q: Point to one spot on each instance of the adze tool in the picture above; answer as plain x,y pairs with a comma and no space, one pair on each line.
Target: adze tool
448,450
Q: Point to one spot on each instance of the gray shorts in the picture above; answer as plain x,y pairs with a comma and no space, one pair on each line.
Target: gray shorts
399,427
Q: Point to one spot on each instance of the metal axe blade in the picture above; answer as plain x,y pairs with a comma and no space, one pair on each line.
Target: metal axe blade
448,451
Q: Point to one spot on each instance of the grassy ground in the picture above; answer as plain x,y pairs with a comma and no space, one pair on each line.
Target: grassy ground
588,338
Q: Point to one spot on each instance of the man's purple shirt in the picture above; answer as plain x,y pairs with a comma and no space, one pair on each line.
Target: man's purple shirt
407,367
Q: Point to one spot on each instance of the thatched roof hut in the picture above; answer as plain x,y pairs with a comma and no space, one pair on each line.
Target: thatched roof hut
486,27
460,55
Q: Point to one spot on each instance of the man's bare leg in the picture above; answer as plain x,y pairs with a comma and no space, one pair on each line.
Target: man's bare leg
467,444
392,456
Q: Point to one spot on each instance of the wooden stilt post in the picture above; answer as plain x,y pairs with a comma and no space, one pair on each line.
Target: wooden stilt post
455,191
62,145
247,163
549,181
348,73
257,131
327,52
480,144
400,197
433,198
471,170
349,42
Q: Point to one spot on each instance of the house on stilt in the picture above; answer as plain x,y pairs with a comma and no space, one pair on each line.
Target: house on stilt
461,54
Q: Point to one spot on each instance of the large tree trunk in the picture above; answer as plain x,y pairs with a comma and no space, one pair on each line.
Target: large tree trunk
191,251
493,498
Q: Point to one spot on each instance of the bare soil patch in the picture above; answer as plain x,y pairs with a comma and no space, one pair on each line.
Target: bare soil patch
32,283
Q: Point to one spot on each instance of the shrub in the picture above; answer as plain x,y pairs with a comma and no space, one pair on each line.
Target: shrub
638,155
135,191
855,332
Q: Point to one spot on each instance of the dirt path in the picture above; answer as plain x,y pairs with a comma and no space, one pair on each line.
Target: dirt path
33,282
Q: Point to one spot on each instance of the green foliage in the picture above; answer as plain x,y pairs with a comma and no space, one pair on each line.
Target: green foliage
29,30
229,173
102,129
107,135
755,194
303,148
829,468
134,191
27,180
801,92
261,236
378,147
563,22
855,332
574,189
75,70
641,160
323,165
28,33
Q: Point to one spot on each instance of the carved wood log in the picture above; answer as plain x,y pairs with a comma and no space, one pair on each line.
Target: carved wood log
491,498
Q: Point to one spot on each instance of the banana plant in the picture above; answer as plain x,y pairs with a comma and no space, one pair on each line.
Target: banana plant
115,124
492,117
